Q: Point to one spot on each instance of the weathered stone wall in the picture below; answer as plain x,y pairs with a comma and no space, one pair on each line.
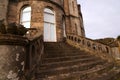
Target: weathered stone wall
116,53
12,62
74,22
82,29
60,2
75,26
73,8
3,9
12,12
12,57
81,21
37,16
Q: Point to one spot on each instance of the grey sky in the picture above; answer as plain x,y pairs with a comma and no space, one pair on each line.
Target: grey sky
101,18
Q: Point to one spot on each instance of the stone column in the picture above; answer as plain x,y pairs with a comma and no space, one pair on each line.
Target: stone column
12,57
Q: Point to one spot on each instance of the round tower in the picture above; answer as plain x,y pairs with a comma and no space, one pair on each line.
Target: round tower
54,18
46,15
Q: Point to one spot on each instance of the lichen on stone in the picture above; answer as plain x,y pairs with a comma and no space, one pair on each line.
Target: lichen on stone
22,63
12,76
17,57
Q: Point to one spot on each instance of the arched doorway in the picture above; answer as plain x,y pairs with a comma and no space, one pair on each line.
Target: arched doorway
49,26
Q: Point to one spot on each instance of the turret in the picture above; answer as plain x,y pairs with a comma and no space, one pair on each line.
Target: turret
74,20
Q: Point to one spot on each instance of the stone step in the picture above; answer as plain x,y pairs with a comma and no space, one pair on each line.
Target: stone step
61,47
68,58
58,47
69,63
90,73
63,55
63,51
64,62
68,69
111,75
73,70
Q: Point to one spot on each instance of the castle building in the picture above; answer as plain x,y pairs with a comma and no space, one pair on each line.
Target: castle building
54,18
53,45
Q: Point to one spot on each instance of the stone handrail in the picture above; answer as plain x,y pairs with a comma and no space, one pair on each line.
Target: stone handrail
35,50
90,46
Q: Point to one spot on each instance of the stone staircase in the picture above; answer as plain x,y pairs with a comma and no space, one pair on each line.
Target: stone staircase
64,62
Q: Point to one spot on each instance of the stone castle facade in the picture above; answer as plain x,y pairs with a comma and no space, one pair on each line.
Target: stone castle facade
67,14
53,21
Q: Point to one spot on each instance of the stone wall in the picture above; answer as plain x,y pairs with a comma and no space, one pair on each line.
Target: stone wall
12,57
60,2
12,12
81,21
3,9
116,52
12,62
74,22
73,8
20,55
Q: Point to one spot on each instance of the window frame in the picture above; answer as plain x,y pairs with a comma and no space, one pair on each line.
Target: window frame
52,14
22,14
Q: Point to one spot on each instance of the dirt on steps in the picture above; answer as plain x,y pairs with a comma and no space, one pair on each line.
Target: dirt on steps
64,62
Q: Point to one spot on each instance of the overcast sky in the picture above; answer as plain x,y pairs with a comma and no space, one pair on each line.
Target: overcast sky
101,18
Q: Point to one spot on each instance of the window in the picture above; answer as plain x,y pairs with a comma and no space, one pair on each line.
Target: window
49,25
26,17
49,16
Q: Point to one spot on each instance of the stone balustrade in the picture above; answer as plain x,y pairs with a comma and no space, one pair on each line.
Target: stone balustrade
91,46
35,50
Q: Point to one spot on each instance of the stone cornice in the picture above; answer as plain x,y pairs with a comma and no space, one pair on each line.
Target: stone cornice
72,16
49,1
8,39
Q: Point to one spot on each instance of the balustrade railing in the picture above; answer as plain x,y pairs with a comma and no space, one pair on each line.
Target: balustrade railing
91,46
35,49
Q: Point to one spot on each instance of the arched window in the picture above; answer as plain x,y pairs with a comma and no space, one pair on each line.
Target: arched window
49,16
49,25
26,17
